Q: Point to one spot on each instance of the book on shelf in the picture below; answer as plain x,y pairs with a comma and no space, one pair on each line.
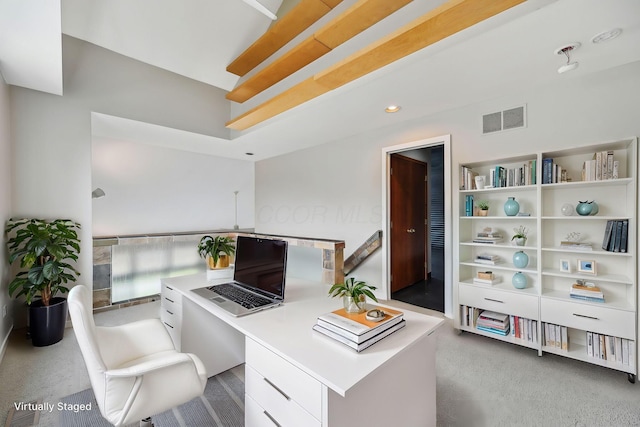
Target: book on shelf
355,326
490,321
576,246
586,290
587,298
485,258
616,235
487,240
487,282
359,346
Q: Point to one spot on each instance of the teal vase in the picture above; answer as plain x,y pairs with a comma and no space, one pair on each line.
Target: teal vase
511,207
520,259
584,208
519,280
594,208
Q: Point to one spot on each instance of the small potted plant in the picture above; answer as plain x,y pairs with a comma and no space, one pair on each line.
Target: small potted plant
44,249
483,207
216,250
520,236
353,293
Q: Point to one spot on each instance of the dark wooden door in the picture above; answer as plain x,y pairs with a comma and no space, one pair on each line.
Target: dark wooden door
408,213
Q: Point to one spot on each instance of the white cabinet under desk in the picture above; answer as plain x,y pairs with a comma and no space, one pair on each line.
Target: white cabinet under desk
295,376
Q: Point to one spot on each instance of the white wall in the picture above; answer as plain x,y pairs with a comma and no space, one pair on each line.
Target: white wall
51,135
6,322
304,193
159,190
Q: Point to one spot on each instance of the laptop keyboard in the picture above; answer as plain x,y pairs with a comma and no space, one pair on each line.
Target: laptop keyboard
239,296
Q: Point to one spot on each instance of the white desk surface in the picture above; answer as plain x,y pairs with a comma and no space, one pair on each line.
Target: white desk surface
286,330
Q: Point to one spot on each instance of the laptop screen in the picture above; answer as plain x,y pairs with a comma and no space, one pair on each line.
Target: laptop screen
261,263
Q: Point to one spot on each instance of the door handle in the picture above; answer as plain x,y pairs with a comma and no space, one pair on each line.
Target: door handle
411,230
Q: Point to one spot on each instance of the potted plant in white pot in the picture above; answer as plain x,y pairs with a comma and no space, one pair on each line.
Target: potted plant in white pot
44,250
217,250
353,293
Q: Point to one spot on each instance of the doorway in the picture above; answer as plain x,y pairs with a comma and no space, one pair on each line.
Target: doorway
418,229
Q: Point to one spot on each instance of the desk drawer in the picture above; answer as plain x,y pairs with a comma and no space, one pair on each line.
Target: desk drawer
170,298
501,301
280,408
293,382
602,320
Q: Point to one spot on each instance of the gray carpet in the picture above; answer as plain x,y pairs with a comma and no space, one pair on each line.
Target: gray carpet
222,405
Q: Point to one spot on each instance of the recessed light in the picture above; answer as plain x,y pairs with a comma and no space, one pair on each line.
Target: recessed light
606,35
392,109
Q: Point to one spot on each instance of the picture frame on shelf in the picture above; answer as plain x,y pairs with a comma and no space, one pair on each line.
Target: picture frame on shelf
587,266
565,266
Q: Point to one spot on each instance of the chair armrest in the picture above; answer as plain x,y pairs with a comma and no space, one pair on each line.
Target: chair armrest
148,366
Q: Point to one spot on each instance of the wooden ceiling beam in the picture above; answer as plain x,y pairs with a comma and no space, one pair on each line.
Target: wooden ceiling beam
343,27
438,24
444,21
282,32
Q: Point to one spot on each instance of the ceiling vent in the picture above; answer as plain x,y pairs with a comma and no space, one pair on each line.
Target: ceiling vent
512,118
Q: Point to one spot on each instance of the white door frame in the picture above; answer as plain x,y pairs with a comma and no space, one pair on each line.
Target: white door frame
444,140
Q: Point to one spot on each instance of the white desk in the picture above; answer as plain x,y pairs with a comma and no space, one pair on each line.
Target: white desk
390,383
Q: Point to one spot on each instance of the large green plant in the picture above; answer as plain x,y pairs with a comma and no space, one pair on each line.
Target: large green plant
213,246
44,249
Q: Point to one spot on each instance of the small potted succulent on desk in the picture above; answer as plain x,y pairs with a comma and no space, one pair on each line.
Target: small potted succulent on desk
353,293
216,250
44,250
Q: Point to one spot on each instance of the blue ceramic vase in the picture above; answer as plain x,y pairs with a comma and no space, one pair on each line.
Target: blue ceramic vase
519,280
511,207
584,208
520,259
594,208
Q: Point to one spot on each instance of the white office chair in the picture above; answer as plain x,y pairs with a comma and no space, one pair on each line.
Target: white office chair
134,369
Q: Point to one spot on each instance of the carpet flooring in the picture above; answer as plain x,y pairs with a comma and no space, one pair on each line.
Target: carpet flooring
221,405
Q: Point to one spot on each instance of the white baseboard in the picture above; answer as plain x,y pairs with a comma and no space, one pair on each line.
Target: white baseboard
5,342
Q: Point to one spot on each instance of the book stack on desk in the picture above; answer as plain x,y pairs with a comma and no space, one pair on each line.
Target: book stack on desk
354,330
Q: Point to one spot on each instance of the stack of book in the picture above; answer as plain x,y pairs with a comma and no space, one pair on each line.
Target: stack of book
616,234
486,278
576,246
355,330
586,293
488,236
496,323
487,259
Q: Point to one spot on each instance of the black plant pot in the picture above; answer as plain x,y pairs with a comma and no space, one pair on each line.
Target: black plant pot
47,323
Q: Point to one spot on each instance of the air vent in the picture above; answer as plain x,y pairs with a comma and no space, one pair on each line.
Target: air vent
512,118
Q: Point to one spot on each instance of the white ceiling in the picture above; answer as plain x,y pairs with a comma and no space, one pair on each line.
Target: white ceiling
198,38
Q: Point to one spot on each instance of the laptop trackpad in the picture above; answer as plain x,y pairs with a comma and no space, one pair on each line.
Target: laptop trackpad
218,299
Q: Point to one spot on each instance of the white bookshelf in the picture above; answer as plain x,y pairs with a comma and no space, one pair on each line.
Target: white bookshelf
546,298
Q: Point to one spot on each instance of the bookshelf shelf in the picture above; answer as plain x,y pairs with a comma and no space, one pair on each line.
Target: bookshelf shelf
584,171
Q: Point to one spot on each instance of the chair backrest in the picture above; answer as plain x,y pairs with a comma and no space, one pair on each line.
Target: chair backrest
84,327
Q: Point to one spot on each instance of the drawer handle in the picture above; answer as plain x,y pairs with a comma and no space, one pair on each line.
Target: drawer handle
170,312
168,325
277,389
169,299
168,287
494,300
271,418
586,317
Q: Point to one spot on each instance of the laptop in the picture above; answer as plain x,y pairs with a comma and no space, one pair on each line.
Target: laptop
258,277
